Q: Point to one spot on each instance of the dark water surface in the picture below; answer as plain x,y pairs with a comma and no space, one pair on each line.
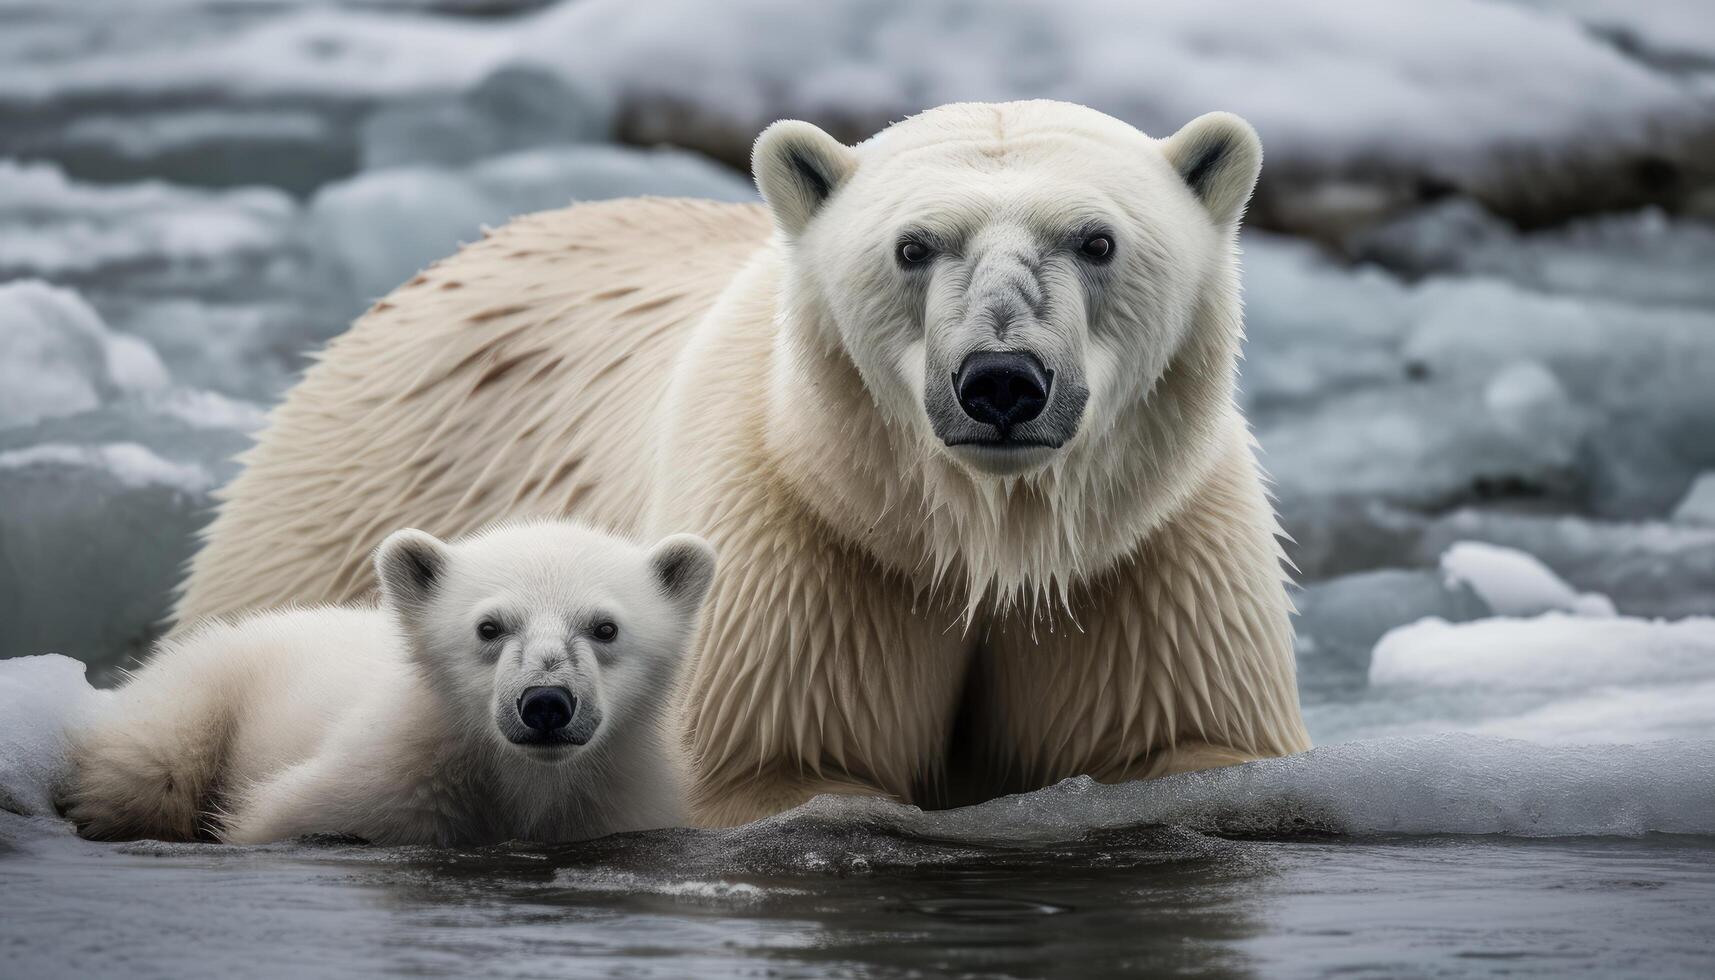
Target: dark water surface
857,900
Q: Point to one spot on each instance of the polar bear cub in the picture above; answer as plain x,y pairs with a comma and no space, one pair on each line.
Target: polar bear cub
511,685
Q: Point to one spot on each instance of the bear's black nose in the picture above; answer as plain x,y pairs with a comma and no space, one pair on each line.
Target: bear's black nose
546,709
1002,388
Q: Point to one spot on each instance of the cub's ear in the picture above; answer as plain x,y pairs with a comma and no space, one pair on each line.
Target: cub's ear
797,168
1219,156
684,566
411,565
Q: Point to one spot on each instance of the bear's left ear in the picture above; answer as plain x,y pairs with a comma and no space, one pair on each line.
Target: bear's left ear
798,167
1219,156
684,567
410,565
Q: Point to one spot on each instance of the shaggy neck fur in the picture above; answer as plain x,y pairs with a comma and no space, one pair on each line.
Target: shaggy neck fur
1008,542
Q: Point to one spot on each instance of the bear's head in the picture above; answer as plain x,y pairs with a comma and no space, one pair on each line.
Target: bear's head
544,637
1042,303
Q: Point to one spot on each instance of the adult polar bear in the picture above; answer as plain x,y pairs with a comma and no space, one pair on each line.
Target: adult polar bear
962,430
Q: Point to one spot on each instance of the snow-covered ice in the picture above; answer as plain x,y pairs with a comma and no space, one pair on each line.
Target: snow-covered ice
1554,651
40,699
1513,583
58,358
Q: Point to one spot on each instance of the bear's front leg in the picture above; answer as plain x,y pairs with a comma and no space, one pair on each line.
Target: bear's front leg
1180,658
817,672
301,799
765,794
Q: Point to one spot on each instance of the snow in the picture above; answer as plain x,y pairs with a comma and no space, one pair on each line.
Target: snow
40,698
1553,651
1513,583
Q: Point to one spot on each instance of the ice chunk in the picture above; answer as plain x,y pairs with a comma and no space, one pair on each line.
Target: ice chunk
1315,329
1646,568
58,358
1454,391
1340,620
56,227
100,514
1438,784
1614,715
379,228
292,147
1550,652
1513,583
1426,446
1698,506
1557,121
40,699
1641,257
1529,401
516,108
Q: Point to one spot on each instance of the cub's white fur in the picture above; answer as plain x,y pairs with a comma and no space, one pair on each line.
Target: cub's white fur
408,723
910,602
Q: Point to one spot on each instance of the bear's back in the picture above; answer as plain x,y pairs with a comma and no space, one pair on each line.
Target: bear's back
519,377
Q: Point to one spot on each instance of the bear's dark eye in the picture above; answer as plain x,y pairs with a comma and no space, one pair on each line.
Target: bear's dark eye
488,631
605,632
1097,248
913,252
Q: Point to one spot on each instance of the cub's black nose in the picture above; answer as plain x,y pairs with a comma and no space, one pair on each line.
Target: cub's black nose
546,709
1002,388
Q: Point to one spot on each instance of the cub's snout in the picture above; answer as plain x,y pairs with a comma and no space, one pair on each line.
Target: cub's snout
546,709
551,716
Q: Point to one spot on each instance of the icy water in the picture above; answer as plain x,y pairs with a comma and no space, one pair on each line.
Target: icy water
854,900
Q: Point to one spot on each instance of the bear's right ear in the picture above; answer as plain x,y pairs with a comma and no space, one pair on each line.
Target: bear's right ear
684,567
410,564
798,167
1219,156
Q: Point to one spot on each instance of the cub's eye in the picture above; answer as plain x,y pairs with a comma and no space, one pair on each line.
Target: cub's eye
488,631
1097,248
605,632
914,252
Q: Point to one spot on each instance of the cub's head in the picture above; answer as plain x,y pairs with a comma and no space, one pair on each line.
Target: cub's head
1009,280
547,636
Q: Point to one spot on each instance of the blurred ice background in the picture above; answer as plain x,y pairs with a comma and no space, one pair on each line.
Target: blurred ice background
1479,279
